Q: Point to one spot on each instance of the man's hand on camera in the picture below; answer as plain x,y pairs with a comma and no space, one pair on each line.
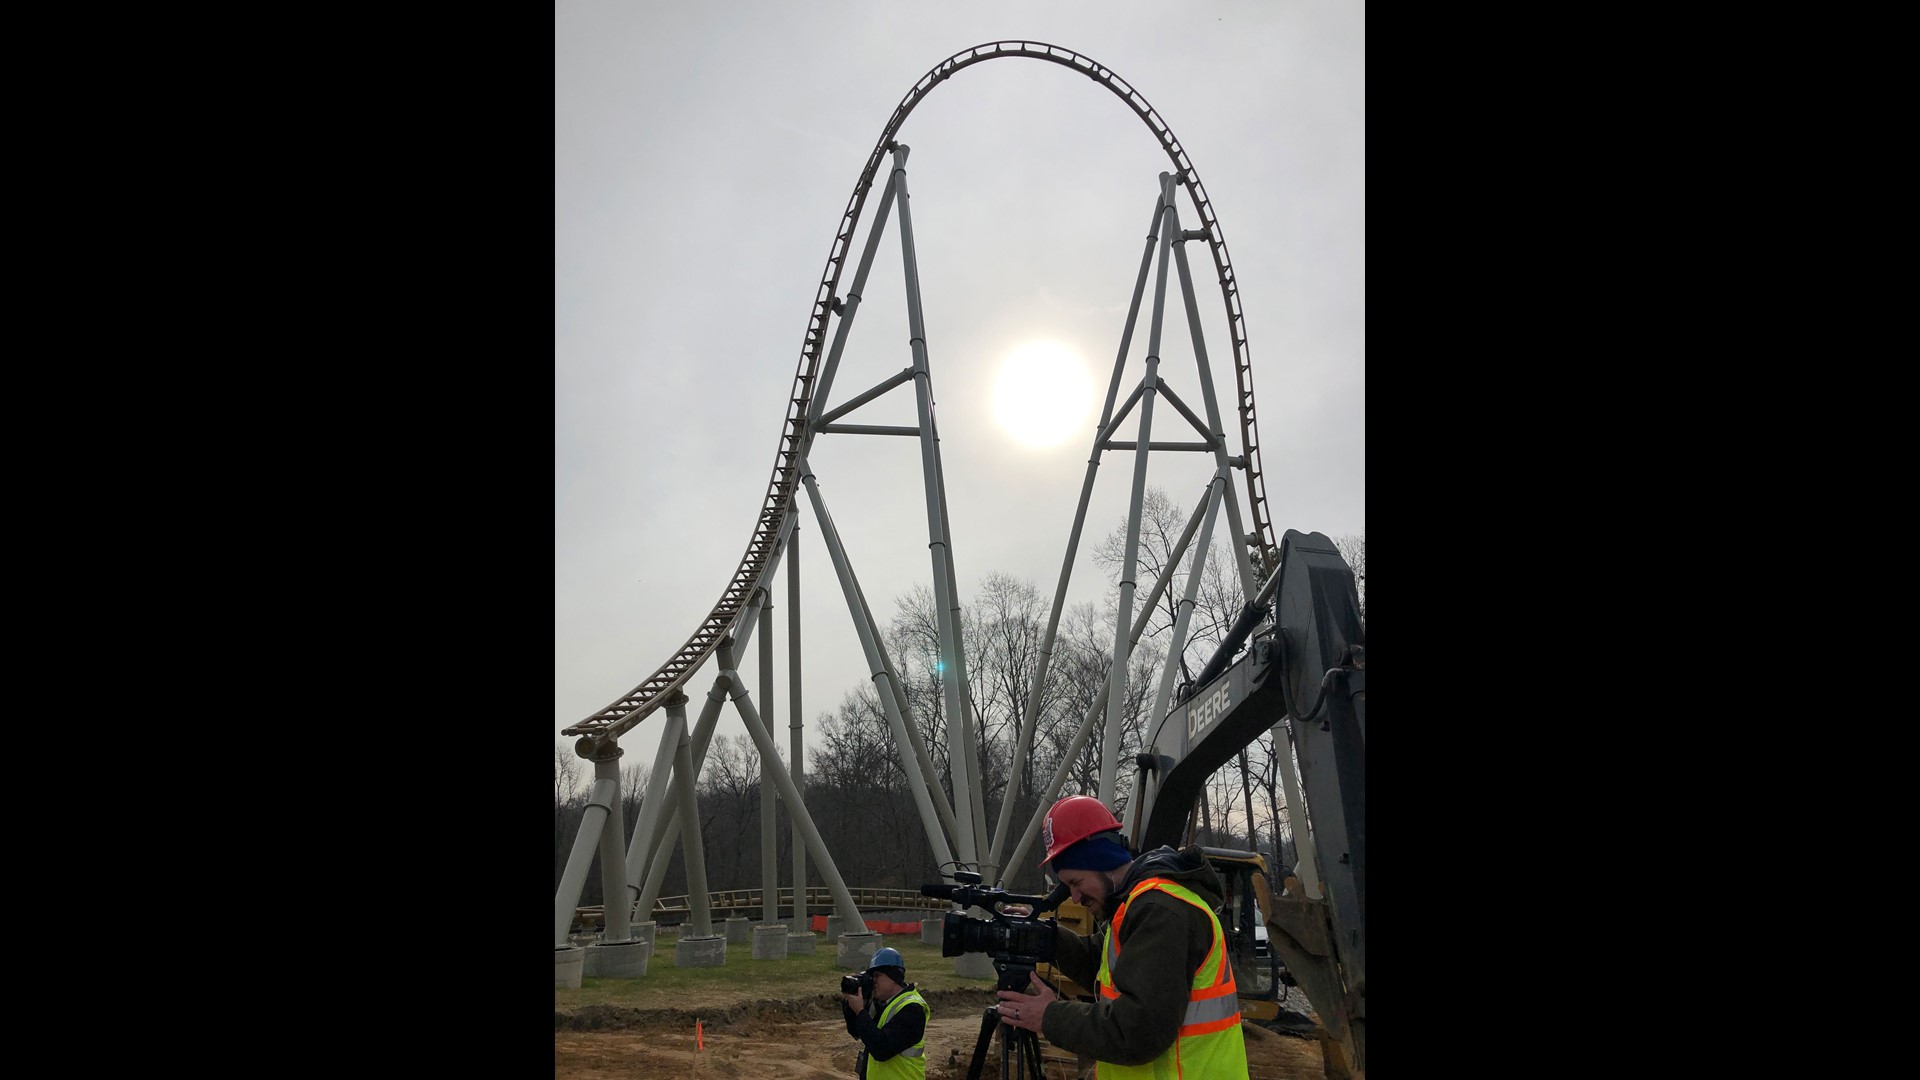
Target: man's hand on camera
856,1002
1023,1010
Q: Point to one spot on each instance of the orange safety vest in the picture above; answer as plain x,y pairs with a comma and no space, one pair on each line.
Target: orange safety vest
1210,1043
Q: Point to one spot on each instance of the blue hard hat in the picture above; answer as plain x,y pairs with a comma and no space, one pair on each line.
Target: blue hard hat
887,958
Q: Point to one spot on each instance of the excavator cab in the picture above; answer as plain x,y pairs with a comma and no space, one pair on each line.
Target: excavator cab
1257,970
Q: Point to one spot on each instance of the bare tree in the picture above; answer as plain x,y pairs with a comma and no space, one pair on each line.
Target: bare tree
858,797
1083,656
569,806
634,779
730,811
913,644
1218,600
567,784
1246,795
1003,628
1354,550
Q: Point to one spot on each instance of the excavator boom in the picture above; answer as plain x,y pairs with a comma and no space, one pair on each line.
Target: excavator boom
1303,676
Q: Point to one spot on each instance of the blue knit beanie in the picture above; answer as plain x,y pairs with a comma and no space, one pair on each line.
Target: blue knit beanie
1101,851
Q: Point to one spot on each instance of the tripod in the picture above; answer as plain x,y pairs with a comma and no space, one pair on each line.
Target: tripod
1019,1048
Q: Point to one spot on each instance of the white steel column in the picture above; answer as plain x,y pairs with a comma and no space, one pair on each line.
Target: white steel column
654,808
614,895
1031,720
769,849
1218,433
966,790
601,803
852,308
667,835
1122,654
695,854
795,728
1164,696
863,626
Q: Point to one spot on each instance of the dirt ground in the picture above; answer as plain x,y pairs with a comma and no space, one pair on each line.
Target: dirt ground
806,1040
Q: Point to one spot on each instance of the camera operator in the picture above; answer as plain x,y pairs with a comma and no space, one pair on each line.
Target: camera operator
1167,1003
892,1027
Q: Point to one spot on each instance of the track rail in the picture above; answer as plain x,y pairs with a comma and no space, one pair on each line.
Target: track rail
632,707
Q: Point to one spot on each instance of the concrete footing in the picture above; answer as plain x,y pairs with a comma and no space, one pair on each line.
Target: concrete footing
770,942
856,949
567,962
617,959
801,944
700,951
931,929
643,931
834,925
974,965
739,931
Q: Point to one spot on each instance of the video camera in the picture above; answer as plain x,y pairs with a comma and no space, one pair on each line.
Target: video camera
1017,942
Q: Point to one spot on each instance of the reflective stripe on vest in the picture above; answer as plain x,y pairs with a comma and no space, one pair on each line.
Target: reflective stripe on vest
911,1062
1209,1042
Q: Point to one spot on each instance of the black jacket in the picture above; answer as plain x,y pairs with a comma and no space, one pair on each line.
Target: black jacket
880,1043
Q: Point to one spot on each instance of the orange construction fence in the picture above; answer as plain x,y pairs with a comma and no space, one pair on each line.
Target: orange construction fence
878,926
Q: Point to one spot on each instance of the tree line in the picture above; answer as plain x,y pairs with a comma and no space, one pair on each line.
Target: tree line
855,781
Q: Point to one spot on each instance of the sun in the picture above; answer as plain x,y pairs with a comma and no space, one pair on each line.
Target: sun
1042,394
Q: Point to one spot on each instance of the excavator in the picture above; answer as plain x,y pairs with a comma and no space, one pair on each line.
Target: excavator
1293,663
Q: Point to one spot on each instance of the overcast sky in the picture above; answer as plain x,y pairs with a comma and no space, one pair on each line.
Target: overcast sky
703,158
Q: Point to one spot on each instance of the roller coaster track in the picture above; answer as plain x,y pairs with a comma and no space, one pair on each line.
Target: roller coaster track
742,901
627,711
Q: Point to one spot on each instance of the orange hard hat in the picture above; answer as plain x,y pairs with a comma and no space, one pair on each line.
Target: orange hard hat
1072,820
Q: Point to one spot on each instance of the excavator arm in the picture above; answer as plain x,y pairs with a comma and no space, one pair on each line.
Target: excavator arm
1303,674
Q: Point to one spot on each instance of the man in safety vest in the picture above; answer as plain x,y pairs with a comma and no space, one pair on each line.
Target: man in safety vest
892,1028
1167,1005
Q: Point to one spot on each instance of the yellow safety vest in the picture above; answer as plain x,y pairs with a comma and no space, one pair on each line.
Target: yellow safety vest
1209,1044
908,1064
